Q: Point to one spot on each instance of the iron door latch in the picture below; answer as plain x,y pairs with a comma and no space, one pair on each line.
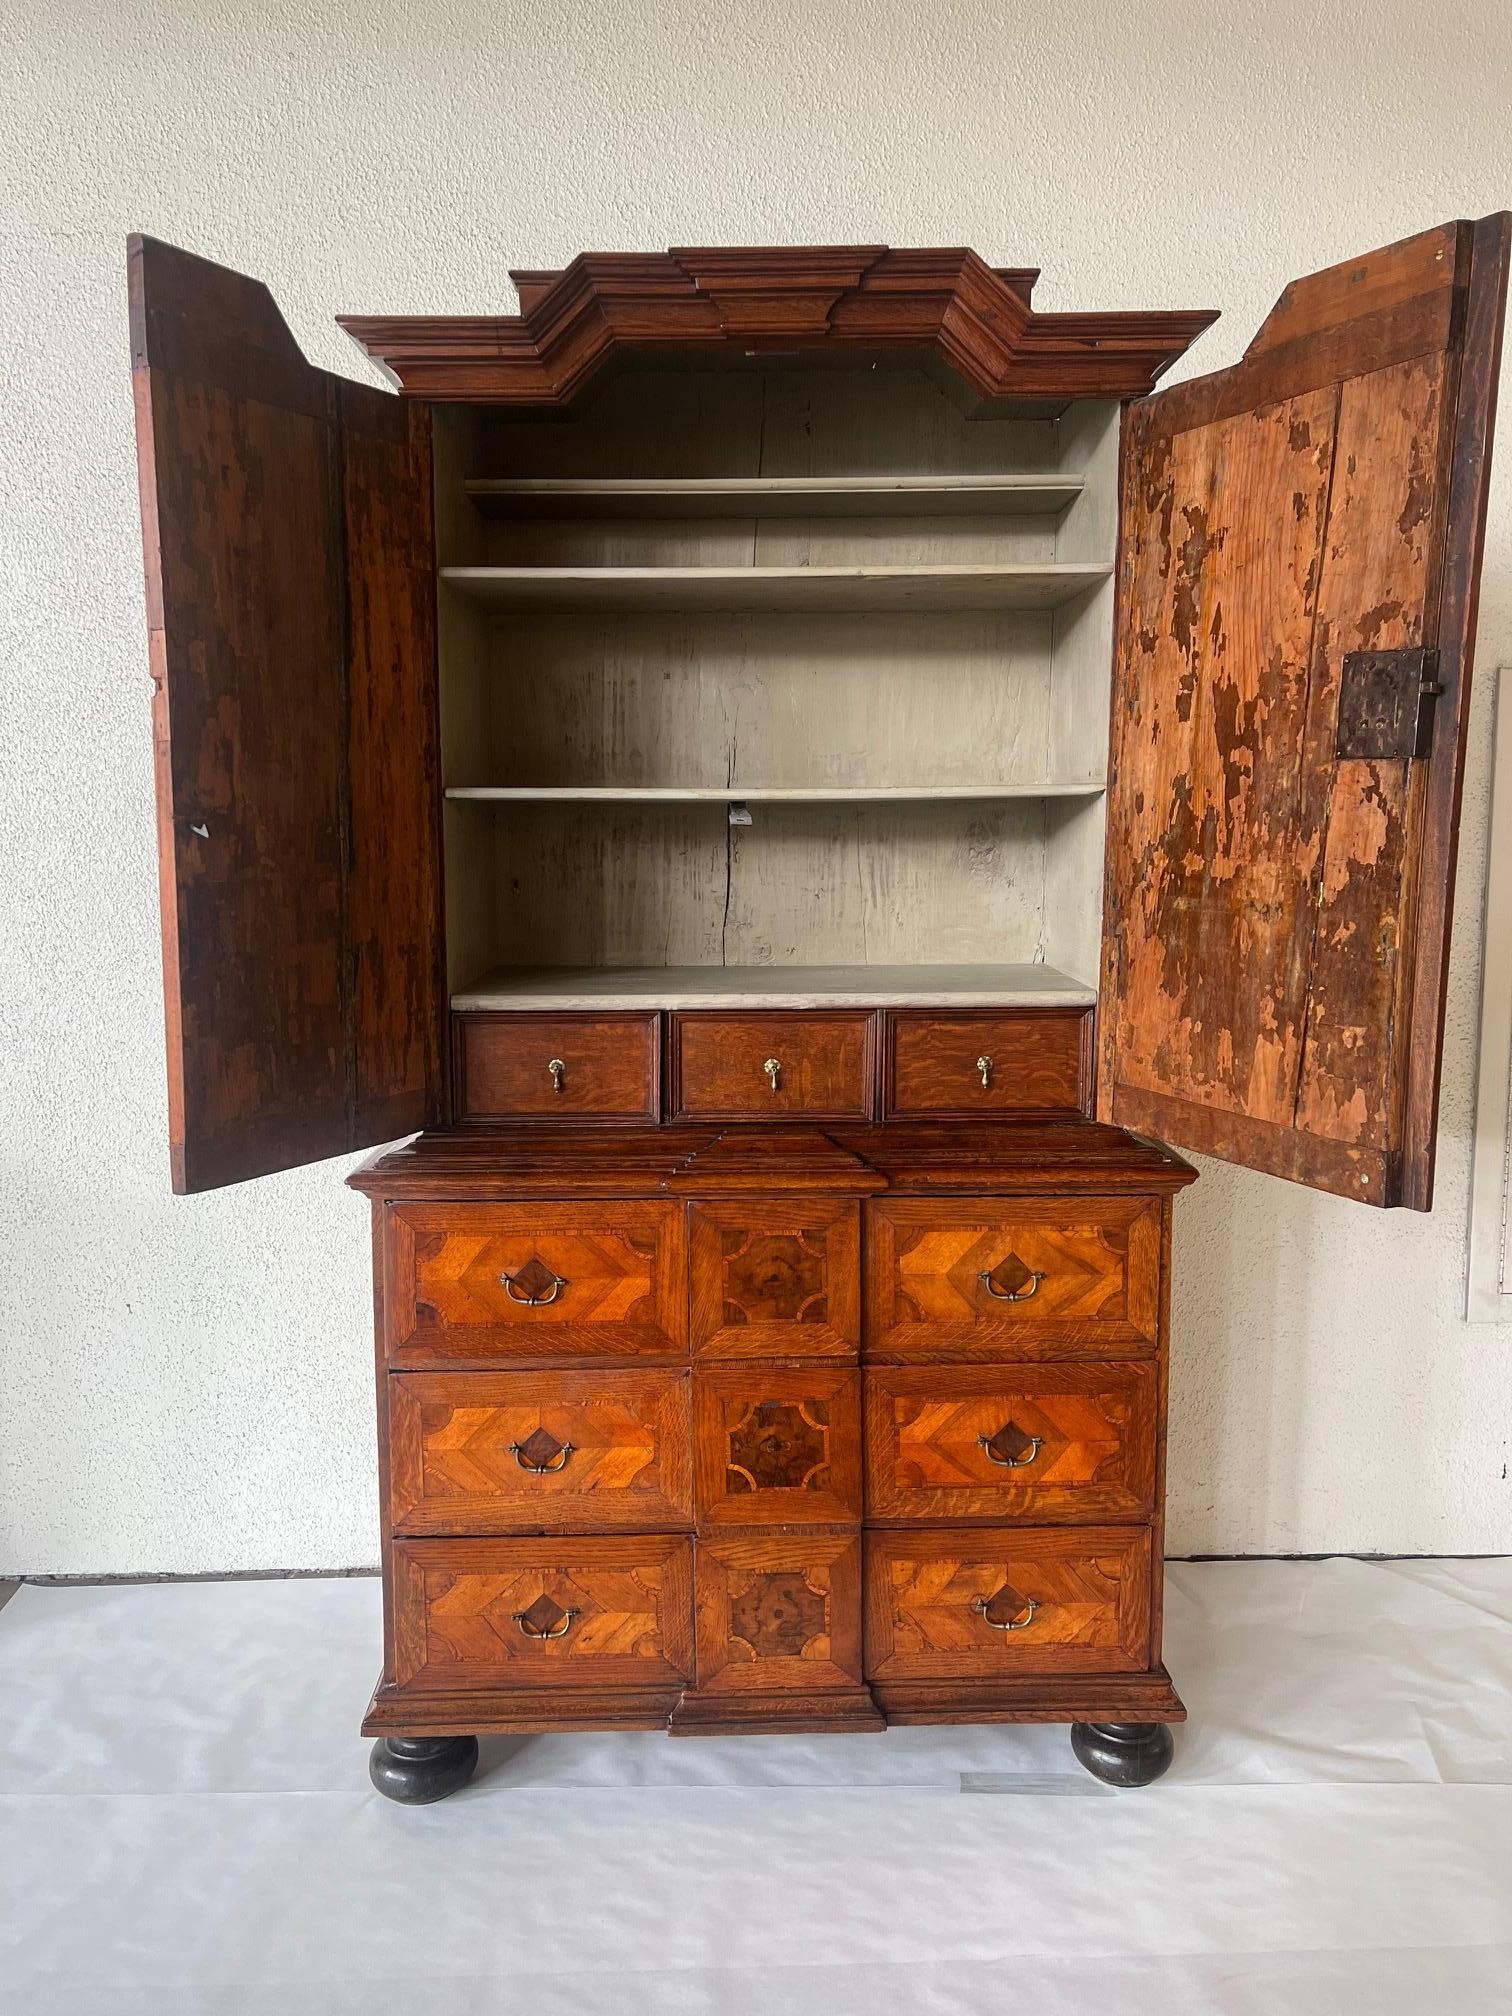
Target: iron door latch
1386,703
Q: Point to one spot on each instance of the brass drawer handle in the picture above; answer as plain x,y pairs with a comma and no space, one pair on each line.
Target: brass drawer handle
984,1065
1024,1294
556,1067
547,1469
1036,1443
531,1629
537,1292
984,1604
773,1070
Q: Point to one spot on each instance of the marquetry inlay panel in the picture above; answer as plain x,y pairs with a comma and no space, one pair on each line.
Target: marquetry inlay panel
968,1603
501,1452
502,1613
776,1277
1026,1278
778,1612
1067,1441
777,1446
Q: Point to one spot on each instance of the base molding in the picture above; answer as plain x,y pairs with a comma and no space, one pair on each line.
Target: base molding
533,1711
538,1711
1119,1697
850,1711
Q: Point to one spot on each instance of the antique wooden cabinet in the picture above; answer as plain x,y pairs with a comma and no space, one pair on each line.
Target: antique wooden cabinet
879,751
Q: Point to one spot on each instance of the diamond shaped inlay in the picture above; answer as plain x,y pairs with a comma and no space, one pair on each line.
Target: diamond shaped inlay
1006,1607
1010,1444
778,1615
540,1449
534,1282
1010,1275
543,1616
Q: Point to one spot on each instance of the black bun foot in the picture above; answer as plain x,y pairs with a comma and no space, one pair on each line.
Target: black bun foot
417,1770
1124,1753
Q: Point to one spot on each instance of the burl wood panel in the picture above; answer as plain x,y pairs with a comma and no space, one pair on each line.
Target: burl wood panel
954,1442
466,1283
1266,919
1034,1064
777,1447
939,1605
523,1613
775,1276
286,532
610,1067
778,1613
940,1274
533,1452
826,1066
976,317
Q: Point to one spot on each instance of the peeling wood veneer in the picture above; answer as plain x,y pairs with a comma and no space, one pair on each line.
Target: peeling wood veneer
1266,910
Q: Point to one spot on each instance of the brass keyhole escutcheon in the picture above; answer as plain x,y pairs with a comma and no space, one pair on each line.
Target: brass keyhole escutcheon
984,1065
557,1068
773,1070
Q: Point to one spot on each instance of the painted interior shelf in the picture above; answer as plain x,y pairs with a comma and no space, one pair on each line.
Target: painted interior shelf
609,987
771,496
739,794
800,590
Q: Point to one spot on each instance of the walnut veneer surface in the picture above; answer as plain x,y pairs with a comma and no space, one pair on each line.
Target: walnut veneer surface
771,1427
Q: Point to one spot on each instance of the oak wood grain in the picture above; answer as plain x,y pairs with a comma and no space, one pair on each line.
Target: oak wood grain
777,1446
610,1066
774,1276
826,1066
536,1452
1036,1063
1045,1442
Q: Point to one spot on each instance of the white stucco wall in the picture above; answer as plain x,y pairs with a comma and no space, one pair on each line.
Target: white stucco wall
184,1384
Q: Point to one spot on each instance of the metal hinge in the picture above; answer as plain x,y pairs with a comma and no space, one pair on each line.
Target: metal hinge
1386,703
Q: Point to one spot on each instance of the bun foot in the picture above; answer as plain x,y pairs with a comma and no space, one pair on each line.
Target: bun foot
1124,1753
417,1770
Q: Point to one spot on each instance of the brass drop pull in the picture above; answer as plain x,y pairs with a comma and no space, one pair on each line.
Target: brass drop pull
541,1454
535,1626
984,1065
1020,1622
992,1444
1025,1292
773,1070
556,1067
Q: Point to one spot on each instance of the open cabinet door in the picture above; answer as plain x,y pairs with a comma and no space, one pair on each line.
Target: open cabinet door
1300,543
286,519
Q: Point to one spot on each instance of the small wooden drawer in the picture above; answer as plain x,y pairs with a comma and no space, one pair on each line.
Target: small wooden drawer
969,1278
533,1452
776,1277
520,1613
466,1284
778,1613
973,1603
953,1442
556,1067
777,1447
961,1067
775,1066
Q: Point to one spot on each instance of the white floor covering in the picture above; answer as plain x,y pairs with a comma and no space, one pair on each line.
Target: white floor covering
186,1826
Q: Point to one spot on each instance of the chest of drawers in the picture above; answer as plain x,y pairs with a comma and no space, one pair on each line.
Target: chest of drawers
766,1428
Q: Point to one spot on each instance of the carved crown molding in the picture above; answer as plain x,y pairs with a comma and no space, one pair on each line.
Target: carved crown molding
977,318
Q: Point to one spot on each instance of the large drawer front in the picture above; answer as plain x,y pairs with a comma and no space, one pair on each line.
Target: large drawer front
533,1452
980,1278
523,1613
954,1442
557,1067
973,1604
472,1283
969,1067
774,1066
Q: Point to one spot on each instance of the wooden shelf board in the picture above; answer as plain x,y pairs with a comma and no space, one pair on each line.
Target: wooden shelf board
771,496
736,794
610,987
800,590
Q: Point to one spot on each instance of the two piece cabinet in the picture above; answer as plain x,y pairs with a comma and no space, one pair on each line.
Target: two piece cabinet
771,762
